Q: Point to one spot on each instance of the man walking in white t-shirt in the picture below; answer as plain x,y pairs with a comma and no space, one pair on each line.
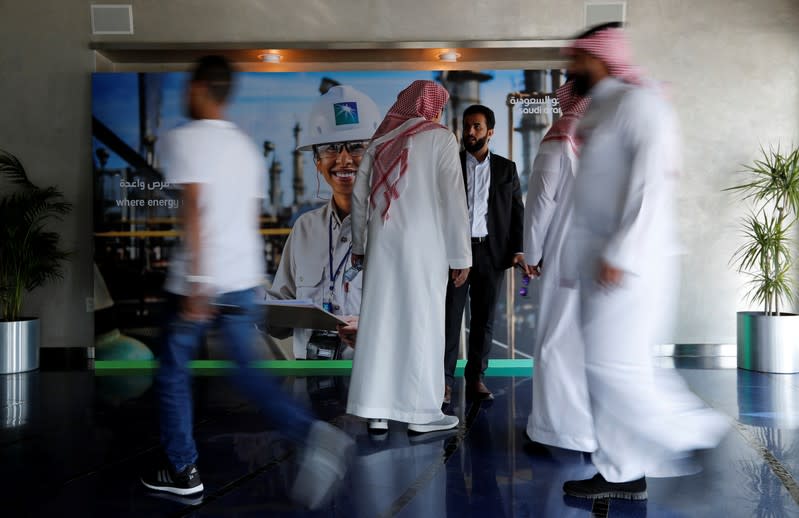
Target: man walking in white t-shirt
212,278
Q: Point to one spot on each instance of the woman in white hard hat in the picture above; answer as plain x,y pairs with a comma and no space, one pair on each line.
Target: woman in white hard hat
317,252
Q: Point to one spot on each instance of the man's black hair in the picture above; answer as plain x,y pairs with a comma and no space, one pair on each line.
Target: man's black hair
483,110
217,73
600,27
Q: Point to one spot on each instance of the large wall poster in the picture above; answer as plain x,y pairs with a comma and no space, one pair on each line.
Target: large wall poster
136,211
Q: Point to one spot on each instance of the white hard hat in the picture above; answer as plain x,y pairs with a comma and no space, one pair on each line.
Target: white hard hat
343,114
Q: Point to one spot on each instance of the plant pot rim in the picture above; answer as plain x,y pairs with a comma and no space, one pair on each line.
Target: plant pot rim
763,314
20,319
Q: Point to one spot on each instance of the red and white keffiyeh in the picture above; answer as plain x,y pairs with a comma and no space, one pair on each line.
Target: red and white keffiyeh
422,99
612,47
572,109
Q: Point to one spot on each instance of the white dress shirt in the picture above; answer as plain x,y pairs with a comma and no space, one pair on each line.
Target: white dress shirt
478,181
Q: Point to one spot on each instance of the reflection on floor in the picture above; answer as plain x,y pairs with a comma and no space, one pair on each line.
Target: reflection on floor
73,443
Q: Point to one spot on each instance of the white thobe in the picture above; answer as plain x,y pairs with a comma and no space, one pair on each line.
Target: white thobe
304,269
398,368
561,414
624,198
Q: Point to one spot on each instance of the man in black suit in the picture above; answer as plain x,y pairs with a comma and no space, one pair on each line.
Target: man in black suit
496,214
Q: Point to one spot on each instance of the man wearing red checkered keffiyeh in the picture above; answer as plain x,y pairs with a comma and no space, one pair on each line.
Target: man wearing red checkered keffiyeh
621,249
422,101
600,52
561,411
572,107
410,181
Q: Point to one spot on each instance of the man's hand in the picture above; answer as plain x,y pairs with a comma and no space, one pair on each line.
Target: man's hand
348,333
527,269
197,306
356,259
459,276
609,276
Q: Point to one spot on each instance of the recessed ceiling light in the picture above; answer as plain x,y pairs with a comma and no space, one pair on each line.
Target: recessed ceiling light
270,57
449,56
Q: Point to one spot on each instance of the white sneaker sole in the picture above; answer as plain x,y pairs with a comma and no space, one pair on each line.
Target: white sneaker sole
175,490
378,426
426,428
183,500
428,437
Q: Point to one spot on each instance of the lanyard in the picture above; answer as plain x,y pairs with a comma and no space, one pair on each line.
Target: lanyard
330,249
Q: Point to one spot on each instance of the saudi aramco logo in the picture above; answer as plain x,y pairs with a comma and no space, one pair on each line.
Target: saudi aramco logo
346,113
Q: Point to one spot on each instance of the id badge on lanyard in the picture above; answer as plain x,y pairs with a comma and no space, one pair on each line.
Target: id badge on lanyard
333,275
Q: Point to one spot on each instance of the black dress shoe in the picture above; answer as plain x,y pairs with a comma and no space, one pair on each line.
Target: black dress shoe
478,391
598,487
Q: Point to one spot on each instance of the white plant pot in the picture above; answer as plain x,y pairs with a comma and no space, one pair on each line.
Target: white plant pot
768,343
19,346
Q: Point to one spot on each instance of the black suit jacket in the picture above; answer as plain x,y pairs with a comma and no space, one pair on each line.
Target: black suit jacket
505,219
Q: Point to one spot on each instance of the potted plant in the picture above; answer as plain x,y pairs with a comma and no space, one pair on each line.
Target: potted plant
768,340
30,256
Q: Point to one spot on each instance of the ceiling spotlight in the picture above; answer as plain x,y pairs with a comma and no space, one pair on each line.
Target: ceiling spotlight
270,57
449,56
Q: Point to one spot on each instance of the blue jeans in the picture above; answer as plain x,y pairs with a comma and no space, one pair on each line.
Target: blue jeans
181,341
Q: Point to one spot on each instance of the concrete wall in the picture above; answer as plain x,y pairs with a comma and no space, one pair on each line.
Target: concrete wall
734,69
732,64
45,115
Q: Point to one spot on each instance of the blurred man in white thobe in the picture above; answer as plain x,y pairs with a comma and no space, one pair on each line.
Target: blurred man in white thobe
561,413
622,249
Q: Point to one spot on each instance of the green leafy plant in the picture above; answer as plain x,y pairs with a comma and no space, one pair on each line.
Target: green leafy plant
766,255
30,255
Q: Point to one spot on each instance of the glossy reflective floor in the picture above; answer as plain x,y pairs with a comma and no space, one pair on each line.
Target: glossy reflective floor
72,444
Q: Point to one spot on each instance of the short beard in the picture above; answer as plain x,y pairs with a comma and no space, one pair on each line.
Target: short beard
477,146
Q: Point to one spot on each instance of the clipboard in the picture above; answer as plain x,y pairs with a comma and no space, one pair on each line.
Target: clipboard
300,314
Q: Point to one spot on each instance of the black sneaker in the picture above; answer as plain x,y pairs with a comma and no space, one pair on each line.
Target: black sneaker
597,487
187,482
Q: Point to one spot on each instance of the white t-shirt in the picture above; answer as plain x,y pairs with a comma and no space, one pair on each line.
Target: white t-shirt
229,167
